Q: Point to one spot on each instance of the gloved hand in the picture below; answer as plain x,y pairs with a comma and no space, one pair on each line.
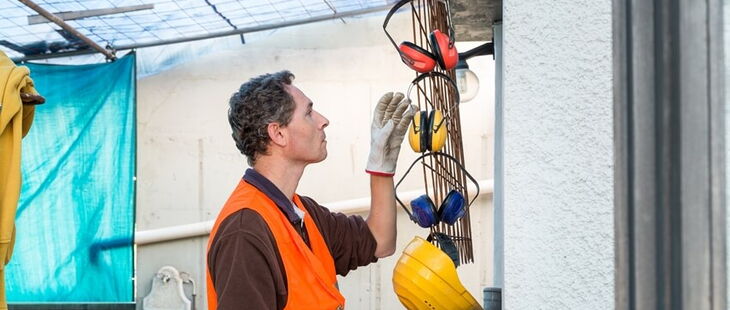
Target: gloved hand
391,118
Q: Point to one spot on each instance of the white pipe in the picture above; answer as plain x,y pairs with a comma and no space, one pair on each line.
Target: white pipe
173,232
345,206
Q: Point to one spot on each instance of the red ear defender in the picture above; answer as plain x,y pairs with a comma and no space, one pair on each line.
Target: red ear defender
444,50
417,58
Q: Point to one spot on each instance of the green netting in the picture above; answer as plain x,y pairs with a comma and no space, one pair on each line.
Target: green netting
75,220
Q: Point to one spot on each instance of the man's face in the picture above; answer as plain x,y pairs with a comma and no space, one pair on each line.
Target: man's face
307,140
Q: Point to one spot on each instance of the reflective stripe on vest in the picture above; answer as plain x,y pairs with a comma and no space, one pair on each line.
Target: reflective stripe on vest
310,273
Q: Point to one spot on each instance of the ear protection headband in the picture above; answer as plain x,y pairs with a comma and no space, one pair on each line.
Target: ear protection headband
424,212
420,59
446,244
427,132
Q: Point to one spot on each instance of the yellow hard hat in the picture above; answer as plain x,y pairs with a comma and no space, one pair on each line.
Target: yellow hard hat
425,278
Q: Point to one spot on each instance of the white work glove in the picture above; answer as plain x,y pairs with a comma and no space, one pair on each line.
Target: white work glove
391,118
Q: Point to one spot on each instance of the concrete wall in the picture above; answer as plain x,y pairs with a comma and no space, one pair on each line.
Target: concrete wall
188,164
558,161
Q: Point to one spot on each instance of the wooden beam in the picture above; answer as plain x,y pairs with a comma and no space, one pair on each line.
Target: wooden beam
109,54
39,19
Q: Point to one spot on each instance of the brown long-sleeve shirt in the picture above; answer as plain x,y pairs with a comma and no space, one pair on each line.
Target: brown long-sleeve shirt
244,261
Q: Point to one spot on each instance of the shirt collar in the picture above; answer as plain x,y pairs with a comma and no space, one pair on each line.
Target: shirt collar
270,190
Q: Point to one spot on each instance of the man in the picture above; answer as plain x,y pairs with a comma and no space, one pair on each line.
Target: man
273,249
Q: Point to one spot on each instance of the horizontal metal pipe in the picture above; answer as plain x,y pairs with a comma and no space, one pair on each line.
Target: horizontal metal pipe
346,206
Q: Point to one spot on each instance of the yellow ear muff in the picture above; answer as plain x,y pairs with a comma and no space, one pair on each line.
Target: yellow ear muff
427,132
437,131
415,131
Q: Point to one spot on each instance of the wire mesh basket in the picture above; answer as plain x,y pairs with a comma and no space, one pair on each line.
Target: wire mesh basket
441,176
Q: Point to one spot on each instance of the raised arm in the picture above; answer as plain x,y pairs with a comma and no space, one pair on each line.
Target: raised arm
391,118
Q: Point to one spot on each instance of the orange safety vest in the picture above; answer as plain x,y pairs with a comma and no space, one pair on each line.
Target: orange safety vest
310,273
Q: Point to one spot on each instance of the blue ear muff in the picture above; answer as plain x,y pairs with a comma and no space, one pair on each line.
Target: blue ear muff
424,211
452,208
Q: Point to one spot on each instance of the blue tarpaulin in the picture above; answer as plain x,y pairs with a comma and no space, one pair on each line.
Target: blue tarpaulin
75,219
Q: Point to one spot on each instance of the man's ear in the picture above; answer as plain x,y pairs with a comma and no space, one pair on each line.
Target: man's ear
276,134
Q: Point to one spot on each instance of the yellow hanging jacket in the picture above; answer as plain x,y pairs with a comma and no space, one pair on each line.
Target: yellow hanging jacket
15,120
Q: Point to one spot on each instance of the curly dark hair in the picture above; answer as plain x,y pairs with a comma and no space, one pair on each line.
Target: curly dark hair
258,102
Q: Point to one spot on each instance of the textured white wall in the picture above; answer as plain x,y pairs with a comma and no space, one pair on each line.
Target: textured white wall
188,163
558,162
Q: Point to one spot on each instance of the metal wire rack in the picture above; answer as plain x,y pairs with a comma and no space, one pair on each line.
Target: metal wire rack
441,176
